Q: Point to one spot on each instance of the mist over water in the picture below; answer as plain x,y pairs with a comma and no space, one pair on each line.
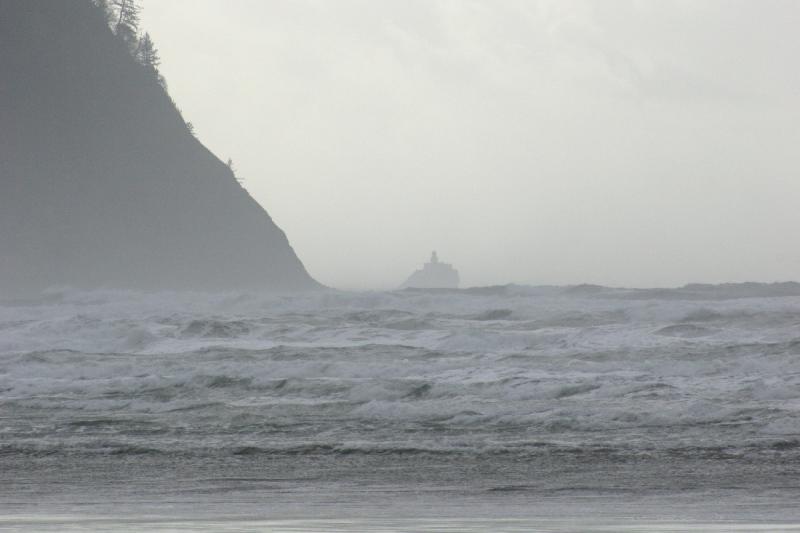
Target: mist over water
168,363
625,143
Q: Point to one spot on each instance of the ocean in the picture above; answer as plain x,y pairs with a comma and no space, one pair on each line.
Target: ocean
495,409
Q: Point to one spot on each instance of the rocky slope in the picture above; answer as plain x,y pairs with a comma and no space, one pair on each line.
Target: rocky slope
101,182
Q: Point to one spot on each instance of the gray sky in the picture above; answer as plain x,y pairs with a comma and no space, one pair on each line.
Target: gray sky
621,142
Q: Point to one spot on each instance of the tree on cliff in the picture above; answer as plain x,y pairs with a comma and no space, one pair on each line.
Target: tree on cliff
126,26
147,54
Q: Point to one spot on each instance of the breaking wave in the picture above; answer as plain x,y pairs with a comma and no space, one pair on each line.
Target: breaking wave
504,371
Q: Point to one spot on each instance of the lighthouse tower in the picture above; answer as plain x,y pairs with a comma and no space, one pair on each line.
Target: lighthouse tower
433,275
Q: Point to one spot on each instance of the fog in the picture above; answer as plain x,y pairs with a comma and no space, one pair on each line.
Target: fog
183,195
624,143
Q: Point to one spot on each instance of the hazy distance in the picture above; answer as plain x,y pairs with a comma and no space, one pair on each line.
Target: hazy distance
550,142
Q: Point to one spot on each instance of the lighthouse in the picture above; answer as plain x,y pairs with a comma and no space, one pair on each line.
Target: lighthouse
433,275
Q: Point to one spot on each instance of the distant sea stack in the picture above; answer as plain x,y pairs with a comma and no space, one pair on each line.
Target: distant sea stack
434,275
102,183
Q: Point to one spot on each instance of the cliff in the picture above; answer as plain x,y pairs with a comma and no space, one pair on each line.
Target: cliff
101,182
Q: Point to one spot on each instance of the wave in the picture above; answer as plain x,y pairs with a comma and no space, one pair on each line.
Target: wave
775,450
685,330
459,371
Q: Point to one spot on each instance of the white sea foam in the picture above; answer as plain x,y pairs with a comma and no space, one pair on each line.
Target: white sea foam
485,370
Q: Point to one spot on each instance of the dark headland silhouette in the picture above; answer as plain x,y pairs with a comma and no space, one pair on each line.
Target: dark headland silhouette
102,183
433,275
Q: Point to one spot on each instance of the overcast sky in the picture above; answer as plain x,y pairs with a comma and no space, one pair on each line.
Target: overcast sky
621,142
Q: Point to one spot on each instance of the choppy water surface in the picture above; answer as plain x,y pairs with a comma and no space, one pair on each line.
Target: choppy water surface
502,403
